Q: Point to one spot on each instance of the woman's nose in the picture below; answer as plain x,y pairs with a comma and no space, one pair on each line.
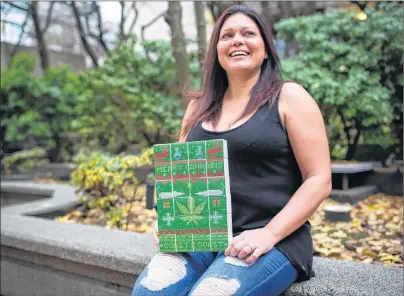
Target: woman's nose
237,39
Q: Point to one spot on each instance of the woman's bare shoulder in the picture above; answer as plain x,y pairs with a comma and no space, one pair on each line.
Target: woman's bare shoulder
189,111
294,96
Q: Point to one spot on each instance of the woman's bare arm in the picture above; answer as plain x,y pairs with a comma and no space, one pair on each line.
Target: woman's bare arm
308,138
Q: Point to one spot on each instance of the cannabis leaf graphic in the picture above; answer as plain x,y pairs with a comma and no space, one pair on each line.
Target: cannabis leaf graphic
191,214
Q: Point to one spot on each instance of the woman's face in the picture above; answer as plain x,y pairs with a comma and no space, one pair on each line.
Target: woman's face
240,45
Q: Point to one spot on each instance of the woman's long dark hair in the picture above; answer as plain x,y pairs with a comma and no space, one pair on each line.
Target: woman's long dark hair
208,102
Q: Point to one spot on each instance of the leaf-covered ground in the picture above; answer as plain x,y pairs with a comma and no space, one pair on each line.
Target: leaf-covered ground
373,236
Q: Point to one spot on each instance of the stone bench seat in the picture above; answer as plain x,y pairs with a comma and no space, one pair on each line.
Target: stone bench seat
45,257
353,195
352,168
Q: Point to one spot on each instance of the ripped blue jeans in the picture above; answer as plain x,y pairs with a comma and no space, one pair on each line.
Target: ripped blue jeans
214,274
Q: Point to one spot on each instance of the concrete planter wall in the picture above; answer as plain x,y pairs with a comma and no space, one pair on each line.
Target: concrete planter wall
58,171
44,257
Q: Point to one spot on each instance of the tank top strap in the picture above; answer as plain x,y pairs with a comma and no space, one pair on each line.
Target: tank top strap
273,113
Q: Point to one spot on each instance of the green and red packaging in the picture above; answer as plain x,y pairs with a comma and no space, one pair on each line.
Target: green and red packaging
193,196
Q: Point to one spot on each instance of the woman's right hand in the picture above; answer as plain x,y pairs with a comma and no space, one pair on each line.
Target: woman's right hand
155,235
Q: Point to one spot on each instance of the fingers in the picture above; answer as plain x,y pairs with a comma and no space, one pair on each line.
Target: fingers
247,250
230,247
155,235
238,247
156,238
254,256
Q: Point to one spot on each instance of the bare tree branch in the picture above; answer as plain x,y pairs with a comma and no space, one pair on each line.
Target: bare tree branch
17,45
99,36
48,17
122,21
86,45
16,6
11,23
135,18
144,27
151,22
43,52
124,18
100,29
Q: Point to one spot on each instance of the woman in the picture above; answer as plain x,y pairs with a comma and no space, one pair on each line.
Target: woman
279,168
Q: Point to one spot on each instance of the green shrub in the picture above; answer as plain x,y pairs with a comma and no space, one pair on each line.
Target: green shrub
25,160
108,187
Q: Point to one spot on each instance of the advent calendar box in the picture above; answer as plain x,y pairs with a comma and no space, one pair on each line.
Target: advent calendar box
193,196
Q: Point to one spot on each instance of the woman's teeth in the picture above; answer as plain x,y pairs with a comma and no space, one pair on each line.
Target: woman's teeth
238,53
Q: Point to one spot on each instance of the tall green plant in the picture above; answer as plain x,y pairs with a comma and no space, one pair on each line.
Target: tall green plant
16,83
339,63
38,106
129,99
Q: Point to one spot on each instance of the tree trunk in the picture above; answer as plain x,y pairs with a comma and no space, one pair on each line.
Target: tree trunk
83,38
174,20
398,120
309,8
201,29
55,153
361,4
352,146
148,139
218,7
286,10
266,15
122,21
43,51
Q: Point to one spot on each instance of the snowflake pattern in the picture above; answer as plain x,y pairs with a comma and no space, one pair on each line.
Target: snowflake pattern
216,217
168,219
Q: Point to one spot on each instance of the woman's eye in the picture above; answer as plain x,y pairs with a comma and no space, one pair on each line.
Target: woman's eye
250,33
226,35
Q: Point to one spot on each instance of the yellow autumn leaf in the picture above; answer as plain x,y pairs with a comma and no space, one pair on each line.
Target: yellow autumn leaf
62,219
390,258
356,223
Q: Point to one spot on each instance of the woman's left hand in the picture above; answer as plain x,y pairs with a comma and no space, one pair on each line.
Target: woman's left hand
251,244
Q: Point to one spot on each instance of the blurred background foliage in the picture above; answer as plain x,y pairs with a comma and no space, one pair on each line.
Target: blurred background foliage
352,65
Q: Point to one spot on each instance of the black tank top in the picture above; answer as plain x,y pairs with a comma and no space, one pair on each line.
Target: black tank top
263,177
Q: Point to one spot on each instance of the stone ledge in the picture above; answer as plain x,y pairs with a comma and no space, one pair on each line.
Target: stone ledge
83,256
338,278
106,248
28,189
128,253
55,197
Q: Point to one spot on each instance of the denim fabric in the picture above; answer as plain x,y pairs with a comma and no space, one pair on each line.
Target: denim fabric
214,274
